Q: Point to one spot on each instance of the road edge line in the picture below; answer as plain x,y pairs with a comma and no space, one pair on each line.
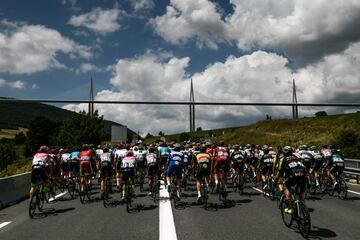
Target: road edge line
167,229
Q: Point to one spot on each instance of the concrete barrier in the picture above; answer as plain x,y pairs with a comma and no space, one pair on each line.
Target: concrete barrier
14,188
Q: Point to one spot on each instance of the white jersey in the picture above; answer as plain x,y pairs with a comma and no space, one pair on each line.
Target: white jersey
40,159
140,155
128,163
65,157
105,157
120,153
151,158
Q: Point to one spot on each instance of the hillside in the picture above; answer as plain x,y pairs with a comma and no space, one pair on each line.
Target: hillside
313,130
15,115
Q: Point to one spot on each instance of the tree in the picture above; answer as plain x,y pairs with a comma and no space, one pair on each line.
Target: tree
161,133
184,137
148,135
7,153
20,138
321,114
199,129
42,131
80,129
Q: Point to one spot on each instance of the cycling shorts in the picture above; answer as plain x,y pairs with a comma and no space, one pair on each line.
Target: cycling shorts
74,166
65,166
152,170
174,168
203,170
106,169
85,167
128,174
318,165
267,170
140,164
292,181
337,169
221,165
38,173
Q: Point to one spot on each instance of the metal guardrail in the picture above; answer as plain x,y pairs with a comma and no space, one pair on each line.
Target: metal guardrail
352,169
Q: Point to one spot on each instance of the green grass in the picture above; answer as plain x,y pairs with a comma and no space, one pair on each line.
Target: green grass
20,165
311,131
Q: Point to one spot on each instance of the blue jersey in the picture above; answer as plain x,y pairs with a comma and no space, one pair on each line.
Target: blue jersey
164,151
176,157
74,156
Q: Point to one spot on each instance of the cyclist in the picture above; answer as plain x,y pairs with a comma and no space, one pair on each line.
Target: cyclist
294,173
174,166
153,167
74,163
65,159
86,156
120,153
237,160
128,171
250,158
221,161
140,153
335,165
203,166
306,157
318,163
39,162
266,164
106,168
164,153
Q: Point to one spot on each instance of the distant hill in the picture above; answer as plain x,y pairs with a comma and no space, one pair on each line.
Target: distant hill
310,131
14,115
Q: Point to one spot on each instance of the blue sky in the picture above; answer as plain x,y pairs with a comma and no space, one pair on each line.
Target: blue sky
234,50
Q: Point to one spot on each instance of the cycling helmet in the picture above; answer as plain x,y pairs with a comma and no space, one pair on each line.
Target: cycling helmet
176,147
43,149
105,149
312,148
203,148
287,150
265,147
85,147
151,150
248,146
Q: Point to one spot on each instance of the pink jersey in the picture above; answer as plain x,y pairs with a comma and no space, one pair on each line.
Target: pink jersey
40,159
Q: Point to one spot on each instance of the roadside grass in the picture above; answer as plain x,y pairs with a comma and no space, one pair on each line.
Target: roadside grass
20,165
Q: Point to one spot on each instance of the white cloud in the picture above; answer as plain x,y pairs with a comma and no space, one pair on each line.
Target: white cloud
88,67
139,5
257,77
17,84
34,48
98,20
2,82
35,86
306,30
191,19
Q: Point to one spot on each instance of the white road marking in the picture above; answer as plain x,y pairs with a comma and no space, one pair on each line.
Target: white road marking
4,224
57,196
354,192
167,229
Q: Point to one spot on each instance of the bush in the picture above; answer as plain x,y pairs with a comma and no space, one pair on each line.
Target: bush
7,154
349,143
321,114
184,137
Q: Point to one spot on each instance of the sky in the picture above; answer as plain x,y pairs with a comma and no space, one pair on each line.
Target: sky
233,50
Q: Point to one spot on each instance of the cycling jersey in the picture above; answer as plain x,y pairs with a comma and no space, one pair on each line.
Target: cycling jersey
187,157
151,159
140,155
175,163
337,164
306,158
85,158
105,157
120,153
128,163
40,159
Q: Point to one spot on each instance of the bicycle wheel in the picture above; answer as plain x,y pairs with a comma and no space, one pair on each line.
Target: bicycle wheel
303,220
287,218
82,192
106,198
342,189
33,204
71,188
128,198
240,184
205,196
272,190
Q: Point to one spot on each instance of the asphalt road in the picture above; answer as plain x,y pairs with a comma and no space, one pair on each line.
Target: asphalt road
250,216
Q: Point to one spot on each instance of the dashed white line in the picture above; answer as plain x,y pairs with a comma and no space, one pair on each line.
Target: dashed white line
4,224
167,229
57,196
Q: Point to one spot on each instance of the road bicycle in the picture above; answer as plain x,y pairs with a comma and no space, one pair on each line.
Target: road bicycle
238,181
268,187
85,188
38,198
107,190
299,212
222,186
